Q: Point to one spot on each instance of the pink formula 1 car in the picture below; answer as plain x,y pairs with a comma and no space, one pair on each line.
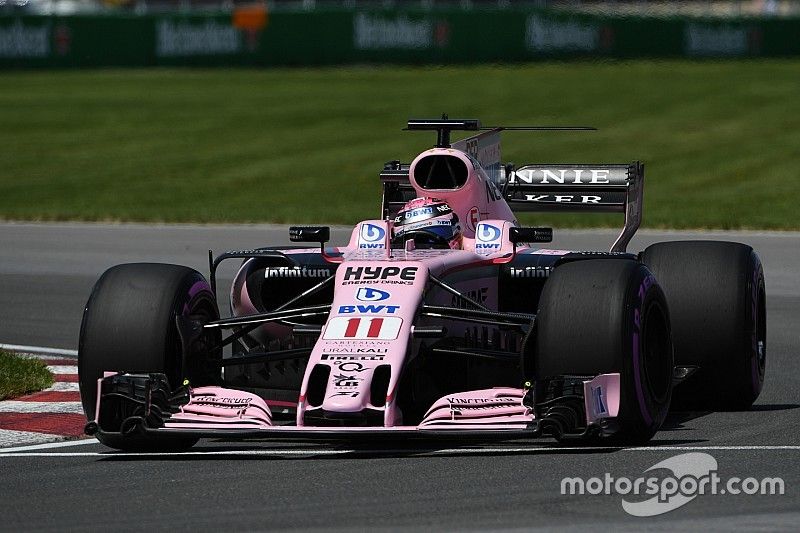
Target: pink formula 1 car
441,317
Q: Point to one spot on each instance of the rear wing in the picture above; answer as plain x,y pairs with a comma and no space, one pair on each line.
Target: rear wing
579,188
604,188
549,188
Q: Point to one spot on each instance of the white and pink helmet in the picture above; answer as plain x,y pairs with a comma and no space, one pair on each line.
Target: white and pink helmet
429,222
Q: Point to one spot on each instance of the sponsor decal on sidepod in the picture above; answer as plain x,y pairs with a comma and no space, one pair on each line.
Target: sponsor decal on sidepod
488,237
296,272
371,236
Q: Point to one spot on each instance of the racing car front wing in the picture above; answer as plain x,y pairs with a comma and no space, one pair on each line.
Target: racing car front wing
144,404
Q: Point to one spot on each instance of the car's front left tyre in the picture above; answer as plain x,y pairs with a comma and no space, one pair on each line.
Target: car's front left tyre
608,316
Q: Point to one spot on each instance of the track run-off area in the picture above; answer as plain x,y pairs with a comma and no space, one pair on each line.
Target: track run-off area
47,272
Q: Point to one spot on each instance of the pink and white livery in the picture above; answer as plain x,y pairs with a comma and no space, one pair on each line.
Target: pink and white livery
442,316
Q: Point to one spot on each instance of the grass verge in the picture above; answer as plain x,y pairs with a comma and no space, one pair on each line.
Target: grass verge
20,375
721,139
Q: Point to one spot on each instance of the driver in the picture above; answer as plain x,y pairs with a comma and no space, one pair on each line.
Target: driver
430,223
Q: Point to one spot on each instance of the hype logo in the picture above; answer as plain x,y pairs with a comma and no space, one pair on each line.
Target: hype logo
368,294
371,236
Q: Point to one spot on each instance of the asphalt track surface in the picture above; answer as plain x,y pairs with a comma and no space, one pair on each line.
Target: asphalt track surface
47,271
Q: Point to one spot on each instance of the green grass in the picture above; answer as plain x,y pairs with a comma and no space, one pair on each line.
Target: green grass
19,375
721,140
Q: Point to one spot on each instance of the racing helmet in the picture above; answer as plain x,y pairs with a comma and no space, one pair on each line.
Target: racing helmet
429,222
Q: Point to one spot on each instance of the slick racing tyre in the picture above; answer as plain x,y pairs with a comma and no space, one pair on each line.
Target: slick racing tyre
130,325
604,316
717,301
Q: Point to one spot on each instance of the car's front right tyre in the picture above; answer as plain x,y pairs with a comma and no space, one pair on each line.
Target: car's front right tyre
130,325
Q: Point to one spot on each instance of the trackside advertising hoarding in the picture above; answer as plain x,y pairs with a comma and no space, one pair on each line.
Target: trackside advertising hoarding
251,36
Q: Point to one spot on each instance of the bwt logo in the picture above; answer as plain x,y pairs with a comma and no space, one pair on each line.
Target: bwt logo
368,294
346,309
487,236
419,212
487,233
372,236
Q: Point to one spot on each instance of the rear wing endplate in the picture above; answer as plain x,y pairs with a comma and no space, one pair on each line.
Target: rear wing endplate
580,188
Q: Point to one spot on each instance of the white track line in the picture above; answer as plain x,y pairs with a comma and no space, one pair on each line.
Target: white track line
48,445
38,349
11,437
14,406
62,369
16,452
722,447
63,386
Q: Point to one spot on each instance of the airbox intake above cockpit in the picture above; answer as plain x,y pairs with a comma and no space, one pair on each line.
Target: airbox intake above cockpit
438,172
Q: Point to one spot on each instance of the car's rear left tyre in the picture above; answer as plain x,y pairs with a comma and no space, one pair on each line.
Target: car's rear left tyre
717,298
130,325
605,316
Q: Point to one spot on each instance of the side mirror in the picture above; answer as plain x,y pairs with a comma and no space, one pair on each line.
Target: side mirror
320,234
518,235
